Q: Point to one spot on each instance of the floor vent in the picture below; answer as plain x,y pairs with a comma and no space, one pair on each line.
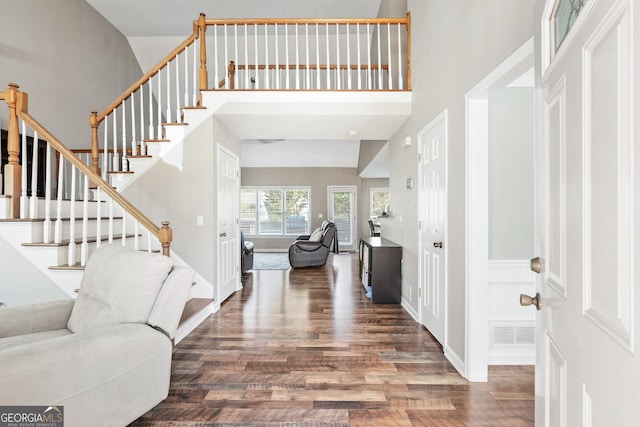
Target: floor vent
510,335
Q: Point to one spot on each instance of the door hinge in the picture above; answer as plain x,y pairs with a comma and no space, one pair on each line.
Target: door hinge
419,157
419,292
419,225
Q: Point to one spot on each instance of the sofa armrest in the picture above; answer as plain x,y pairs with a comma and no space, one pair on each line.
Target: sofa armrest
41,317
307,245
303,237
169,305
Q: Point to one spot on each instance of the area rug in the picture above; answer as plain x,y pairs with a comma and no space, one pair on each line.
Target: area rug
270,261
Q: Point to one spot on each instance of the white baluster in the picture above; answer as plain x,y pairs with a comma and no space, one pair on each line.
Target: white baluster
348,59
298,57
124,167
368,57
152,128
33,209
178,110
379,60
359,63
266,55
186,76
215,57
226,58
105,144
110,220
246,56
46,225
338,71
390,81
317,59
98,218
115,160
255,42
148,240
277,69
400,81
236,56
159,128
328,56
167,119
134,143
24,200
286,55
84,248
142,126
58,226
72,219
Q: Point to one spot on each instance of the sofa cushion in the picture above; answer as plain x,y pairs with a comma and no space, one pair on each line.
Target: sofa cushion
120,285
316,236
18,340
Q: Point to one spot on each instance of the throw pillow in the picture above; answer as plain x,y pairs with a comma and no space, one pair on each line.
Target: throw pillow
316,236
120,285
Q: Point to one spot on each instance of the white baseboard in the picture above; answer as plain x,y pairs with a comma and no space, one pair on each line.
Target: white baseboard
407,307
455,360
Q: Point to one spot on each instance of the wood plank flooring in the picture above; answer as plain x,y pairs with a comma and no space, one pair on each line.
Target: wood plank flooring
306,348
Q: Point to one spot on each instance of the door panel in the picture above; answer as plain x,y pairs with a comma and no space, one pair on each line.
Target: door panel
587,369
432,214
342,211
228,241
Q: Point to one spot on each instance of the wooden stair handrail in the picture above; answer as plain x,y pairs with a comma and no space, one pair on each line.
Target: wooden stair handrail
147,76
320,21
163,233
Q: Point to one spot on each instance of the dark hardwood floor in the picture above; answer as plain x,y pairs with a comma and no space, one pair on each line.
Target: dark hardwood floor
306,348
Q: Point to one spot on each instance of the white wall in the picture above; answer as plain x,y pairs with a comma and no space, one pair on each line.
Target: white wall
182,186
455,44
68,58
511,174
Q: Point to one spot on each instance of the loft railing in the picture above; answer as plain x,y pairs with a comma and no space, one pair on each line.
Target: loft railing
258,54
114,217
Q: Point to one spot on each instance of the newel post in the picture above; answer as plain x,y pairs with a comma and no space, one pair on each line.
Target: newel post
231,70
165,234
204,83
95,151
13,169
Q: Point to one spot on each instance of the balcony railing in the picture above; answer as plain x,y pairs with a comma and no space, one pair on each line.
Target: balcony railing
257,54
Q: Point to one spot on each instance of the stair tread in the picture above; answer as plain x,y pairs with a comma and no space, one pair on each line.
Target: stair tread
121,172
157,140
74,267
193,307
89,240
175,124
193,108
137,156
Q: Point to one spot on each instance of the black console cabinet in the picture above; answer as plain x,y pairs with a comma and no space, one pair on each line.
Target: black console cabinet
381,269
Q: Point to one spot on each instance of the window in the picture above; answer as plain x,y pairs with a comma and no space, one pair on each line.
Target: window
274,211
564,16
378,201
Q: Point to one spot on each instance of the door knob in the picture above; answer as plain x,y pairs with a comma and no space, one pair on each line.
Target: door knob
526,300
223,234
536,264
437,244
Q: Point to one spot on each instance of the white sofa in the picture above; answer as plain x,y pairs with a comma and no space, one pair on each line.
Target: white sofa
106,356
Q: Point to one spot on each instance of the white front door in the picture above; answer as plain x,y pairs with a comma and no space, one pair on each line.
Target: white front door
432,213
342,211
228,231
588,217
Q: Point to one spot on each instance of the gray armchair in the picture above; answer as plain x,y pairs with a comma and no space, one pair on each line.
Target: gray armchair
313,250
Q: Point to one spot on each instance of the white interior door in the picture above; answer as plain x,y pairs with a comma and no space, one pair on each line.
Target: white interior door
228,231
587,366
432,145
342,211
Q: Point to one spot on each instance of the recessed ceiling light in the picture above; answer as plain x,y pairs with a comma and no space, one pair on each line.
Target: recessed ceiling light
353,132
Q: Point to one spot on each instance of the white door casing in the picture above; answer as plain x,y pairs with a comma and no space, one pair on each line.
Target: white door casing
228,230
432,205
342,211
587,188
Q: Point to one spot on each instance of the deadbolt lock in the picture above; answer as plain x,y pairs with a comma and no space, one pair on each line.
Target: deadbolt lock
536,265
